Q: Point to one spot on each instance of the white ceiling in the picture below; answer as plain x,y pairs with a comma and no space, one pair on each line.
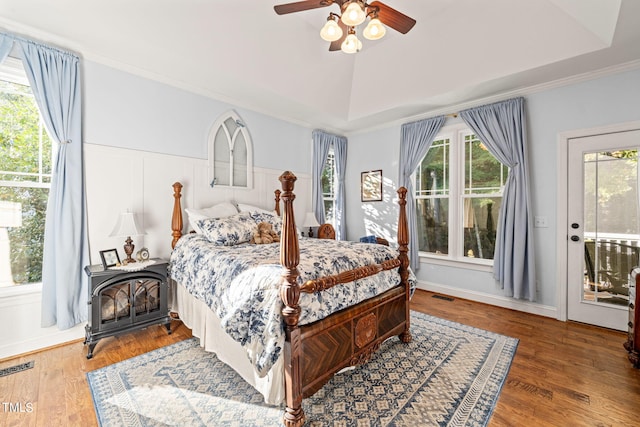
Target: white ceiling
242,52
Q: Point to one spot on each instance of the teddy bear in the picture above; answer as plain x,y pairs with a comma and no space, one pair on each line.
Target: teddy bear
265,234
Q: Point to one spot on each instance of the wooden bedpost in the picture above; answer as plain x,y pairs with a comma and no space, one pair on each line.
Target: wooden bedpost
403,243
290,295
277,199
176,218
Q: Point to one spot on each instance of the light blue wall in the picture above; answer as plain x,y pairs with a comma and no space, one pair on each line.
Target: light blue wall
603,101
125,110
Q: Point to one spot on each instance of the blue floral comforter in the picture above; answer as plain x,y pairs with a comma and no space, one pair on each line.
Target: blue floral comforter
241,285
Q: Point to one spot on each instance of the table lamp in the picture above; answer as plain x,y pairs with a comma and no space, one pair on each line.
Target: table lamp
10,216
310,221
127,226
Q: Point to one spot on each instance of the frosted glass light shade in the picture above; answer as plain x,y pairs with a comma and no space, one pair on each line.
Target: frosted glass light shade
354,14
331,31
351,44
374,30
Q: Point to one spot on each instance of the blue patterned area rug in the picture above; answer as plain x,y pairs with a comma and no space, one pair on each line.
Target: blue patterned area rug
450,375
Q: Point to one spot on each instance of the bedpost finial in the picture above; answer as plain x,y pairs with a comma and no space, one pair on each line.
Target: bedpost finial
287,179
177,188
402,193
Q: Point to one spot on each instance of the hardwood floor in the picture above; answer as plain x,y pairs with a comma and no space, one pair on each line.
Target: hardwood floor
563,374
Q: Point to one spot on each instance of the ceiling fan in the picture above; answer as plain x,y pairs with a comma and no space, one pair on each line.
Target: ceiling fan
340,29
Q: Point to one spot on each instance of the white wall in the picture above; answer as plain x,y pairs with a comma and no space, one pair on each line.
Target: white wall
587,104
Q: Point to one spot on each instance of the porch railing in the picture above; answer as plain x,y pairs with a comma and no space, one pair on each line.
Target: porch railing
609,261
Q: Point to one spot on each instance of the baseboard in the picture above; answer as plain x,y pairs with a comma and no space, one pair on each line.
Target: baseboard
497,300
51,337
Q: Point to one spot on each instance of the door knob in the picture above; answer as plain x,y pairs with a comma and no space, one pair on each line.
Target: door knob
575,238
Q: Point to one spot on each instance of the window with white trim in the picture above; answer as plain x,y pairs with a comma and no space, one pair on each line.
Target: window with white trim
329,177
26,161
458,191
230,153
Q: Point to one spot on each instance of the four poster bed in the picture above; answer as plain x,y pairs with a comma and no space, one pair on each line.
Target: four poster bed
314,319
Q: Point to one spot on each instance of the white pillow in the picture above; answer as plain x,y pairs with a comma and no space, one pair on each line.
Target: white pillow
250,208
221,210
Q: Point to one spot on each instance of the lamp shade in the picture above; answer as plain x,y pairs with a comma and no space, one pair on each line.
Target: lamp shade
126,226
310,220
10,214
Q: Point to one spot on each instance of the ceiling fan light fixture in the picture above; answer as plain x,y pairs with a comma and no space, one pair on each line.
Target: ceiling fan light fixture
354,14
351,44
331,30
374,30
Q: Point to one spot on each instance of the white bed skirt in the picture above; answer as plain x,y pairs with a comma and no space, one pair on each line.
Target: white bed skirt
205,325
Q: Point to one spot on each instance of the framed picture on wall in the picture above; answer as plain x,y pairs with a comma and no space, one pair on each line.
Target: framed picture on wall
371,186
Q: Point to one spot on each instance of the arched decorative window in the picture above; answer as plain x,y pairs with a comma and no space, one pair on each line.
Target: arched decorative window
230,152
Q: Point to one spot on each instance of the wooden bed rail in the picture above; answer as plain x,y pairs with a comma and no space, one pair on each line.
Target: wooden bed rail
329,282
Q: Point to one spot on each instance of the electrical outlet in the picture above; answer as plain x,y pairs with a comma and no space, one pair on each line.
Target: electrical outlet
540,222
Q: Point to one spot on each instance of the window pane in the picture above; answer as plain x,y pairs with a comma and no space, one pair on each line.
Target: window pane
479,224
328,174
433,228
26,242
221,155
328,187
22,156
25,175
240,161
329,211
432,174
483,173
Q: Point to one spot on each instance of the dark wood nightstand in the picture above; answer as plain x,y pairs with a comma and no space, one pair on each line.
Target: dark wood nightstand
121,301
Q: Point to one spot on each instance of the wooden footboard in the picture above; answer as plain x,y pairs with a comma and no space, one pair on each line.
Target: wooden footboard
314,353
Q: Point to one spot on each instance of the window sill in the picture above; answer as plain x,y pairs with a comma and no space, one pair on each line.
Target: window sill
467,264
16,290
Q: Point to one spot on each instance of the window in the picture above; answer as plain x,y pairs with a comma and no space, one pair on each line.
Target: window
230,153
329,187
458,192
26,159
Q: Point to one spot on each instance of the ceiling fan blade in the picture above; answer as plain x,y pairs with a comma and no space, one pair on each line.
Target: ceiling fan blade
394,19
337,45
299,6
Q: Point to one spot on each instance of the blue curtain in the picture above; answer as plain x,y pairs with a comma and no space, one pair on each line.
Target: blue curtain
6,44
321,144
340,151
54,76
415,140
322,141
502,129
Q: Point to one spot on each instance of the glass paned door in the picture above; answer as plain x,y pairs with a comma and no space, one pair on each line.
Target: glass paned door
603,228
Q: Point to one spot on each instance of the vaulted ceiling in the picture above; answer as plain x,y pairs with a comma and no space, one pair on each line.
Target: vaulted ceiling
242,52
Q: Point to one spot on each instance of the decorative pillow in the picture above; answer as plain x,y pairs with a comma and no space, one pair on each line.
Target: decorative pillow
221,210
229,231
242,207
268,216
